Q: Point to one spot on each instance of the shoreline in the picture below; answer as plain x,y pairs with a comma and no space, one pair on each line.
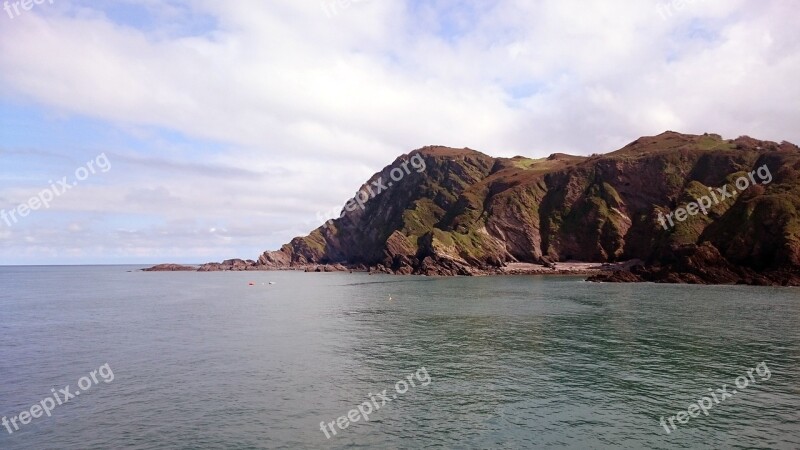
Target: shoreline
632,271
575,268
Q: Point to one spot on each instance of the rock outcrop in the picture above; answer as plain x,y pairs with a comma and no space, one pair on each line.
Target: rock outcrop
702,264
230,265
468,213
171,268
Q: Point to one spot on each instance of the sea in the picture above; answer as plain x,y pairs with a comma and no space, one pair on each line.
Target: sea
110,357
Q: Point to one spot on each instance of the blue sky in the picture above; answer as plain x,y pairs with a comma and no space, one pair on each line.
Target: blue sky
230,127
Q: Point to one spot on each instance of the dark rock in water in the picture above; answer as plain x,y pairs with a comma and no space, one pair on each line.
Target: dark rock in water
701,264
229,265
617,276
170,268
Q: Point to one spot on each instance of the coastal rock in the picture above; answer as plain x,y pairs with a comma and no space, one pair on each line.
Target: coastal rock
229,265
701,264
466,213
170,268
617,276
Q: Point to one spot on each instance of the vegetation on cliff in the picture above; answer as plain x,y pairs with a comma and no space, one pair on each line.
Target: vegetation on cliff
471,213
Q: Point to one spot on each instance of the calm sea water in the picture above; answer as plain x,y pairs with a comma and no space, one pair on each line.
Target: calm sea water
204,360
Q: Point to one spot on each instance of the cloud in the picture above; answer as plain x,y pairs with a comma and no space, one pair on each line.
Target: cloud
295,106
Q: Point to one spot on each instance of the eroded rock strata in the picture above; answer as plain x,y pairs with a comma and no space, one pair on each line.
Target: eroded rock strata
469,213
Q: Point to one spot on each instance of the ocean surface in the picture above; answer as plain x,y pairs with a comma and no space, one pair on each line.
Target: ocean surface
207,360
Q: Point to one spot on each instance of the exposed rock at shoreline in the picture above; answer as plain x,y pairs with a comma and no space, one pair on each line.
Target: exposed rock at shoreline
703,264
230,265
171,268
468,213
327,268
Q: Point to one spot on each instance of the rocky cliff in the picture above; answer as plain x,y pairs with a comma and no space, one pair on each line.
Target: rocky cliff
469,213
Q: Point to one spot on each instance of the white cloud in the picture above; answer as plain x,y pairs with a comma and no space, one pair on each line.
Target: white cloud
308,105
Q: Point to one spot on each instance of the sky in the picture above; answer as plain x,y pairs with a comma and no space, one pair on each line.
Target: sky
202,130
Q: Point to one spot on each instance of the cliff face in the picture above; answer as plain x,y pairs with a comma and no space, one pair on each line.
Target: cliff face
468,212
